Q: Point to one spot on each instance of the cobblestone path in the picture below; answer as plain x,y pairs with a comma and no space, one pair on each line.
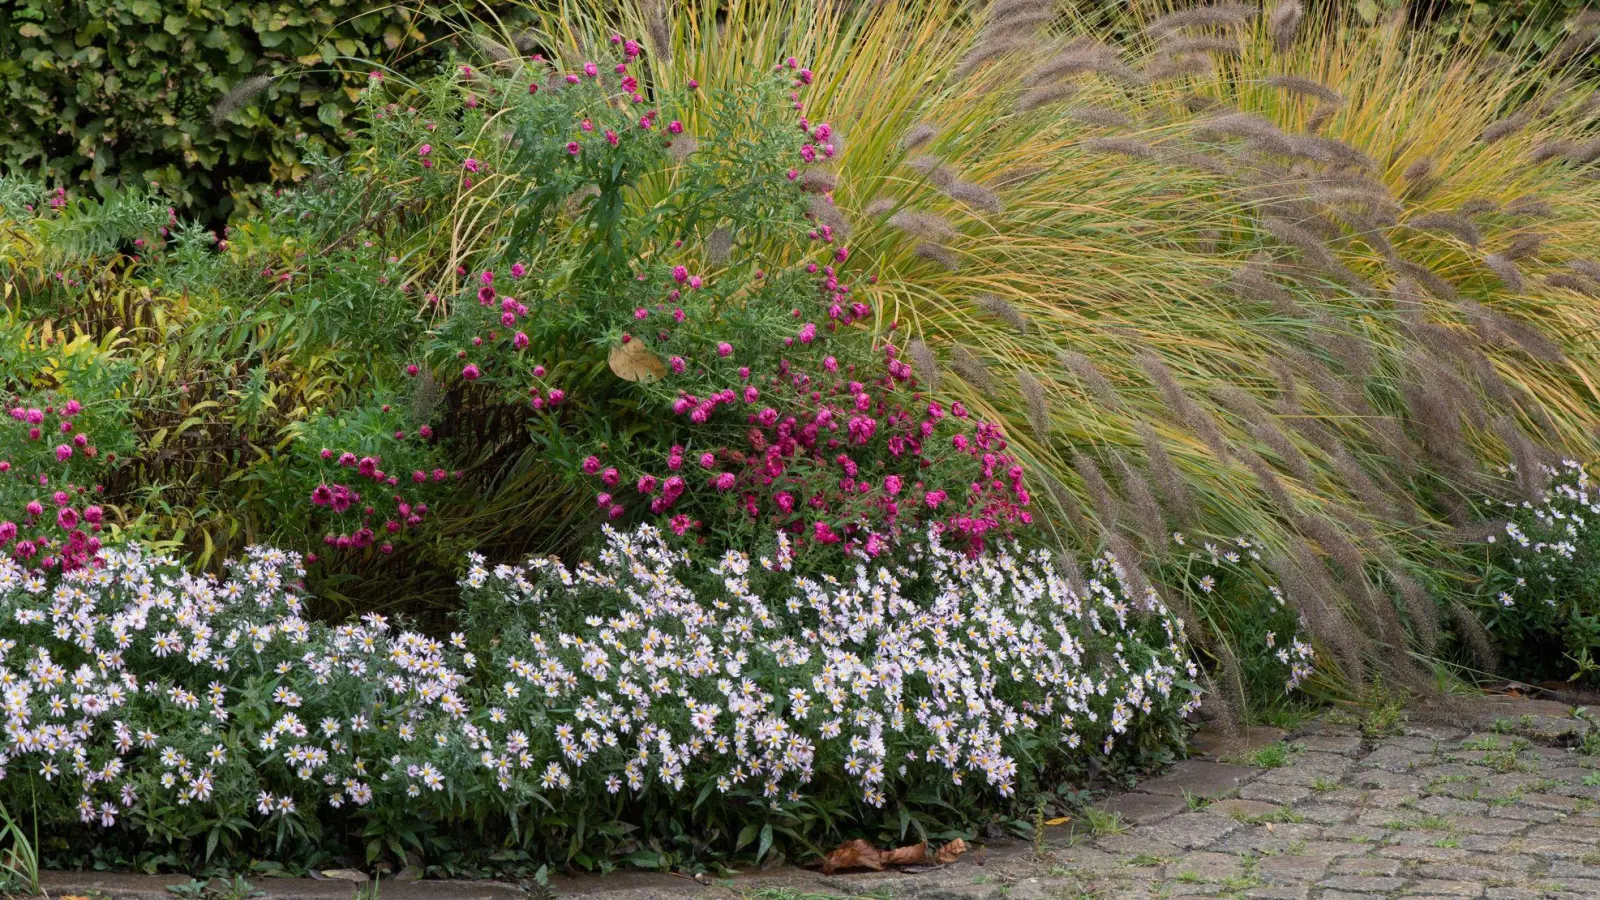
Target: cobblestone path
1507,808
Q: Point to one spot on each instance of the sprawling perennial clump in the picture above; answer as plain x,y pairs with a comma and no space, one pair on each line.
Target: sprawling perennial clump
1537,597
143,693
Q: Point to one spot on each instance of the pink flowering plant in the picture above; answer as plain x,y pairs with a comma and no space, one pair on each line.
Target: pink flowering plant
582,714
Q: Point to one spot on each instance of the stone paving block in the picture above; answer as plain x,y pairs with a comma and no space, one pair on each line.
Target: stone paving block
1279,892
1330,743
1551,801
1382,779
1138,808
1277,793
1366,865
1218,743
1135,845
1438,888
1576,835
1326,813
1363,884
1235,809
1292,869
1261,839
1394,759
1206,866
1480,825
1200,777
1537,814
1449,806
1189,831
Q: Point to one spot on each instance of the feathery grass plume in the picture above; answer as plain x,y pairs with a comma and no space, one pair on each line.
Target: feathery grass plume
938,254
917,136
1525,457
1068,504
1421,609
719,245
1351,566
1220,14
1266,431
974,195
971,369
1588,268
1525,245
1082,57
1454,224
1506,127
1182,405
1586,152
1391,504
1439,421
1421,169
1266,479
1283,23
1306,585
238,95
822,208
1119,146
988,51
1505,270
1098,489
817,181
1206,240
1017,175
1162,68
1141,511
1092,378
1036,404
659,27
1583,36
1197,103
1529,206
1475,637
1331,151
1545,151
1067,564
683,146
496,51
1425,277
926,364
1321,115
1180,44
426,394
879,206
1312,248
1004,310
926,226
1218,706
1176,497
1296,84
1099,115
1045,95
933,169
1477,206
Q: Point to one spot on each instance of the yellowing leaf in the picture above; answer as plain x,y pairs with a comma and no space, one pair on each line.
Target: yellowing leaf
634,362
1058,820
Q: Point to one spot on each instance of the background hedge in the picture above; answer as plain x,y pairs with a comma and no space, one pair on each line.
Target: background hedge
122,92
116,92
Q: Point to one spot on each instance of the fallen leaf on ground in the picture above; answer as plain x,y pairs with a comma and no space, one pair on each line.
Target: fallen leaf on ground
856,854
1058,820
948,853
906,856
346,875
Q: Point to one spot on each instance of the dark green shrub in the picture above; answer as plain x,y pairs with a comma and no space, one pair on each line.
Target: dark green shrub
126,92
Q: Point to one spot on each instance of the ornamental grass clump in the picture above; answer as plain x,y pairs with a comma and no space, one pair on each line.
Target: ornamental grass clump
582,714
1329,273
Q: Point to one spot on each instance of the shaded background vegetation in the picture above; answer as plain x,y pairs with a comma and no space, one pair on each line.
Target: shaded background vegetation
126,92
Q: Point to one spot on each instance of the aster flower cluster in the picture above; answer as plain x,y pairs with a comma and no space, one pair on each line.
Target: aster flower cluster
137,695
1537,595
50,512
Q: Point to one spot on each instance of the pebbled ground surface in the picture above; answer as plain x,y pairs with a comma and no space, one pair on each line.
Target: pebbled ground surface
1504,803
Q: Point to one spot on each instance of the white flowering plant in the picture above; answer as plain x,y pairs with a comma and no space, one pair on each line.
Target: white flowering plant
1224,582
646,707
1537,596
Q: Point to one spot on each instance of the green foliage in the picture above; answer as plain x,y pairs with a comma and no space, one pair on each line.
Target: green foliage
176,93
1538,595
